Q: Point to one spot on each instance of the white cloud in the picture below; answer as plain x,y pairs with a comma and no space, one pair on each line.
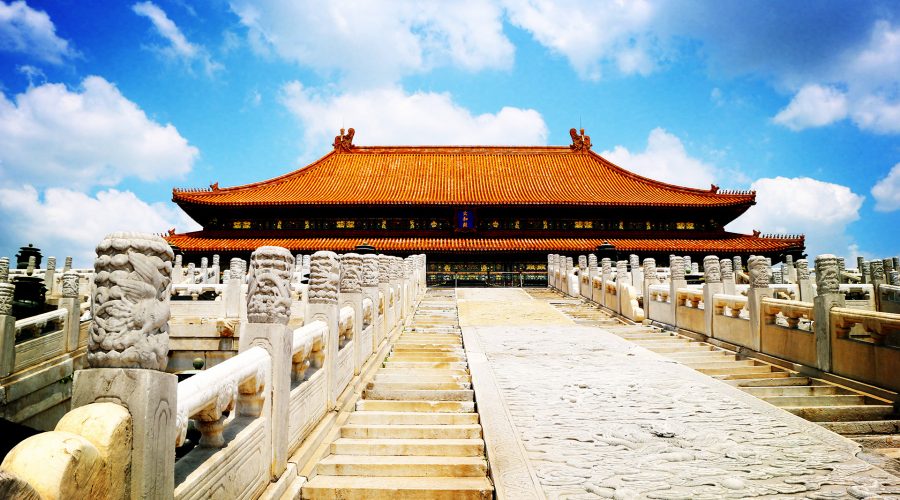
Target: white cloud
390,116
591,34
887,191
813,106
801,205
29,31
64,222
666,160
179,46
50,135
379,41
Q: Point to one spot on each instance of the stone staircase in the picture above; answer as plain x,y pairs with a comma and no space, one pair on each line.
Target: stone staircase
415,432
870,421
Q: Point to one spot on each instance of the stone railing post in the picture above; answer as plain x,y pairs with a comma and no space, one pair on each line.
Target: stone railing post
759,272
204,270
804,284
676,281
384,288
4,269
69,300
177,271
233,290
369,287
49,275
582,274
592,274
351,295
605,272
127,355
397,289
649,278
409,292
550,270
559,271
790,270
828,296
712,277
216,269
637,273
622,280
7,329
324,275
728,282
268,313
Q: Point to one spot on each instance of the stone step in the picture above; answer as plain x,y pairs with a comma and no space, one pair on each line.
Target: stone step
427,344
411,431
440,376
663,349
420,406
744,376
712,357
431,358
882,441
841,413
727,363
438,365
737,370
800,390
863,427
409,447
397,488
393,465
411,418
427,349
419,386
806,401
780,380
701,354
419,395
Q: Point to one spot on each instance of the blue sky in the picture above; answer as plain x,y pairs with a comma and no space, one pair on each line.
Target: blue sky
107,105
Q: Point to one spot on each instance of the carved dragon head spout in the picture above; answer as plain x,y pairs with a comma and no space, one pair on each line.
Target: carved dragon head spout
129,329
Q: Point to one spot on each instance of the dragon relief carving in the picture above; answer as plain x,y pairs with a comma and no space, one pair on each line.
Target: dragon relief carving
369,275
351,273
130,309
4,269
6,298
711,269
727,270
323,278
384,269
69,285
802,266
760,273
268,290
827,274
676,268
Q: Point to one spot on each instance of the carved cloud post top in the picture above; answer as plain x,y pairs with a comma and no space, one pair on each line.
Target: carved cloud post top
841,264
384,268
68,264
323,278
789,260
827,274
268,290
877,270
407,268
582,262
369,275
6,298
686,260
69,285
351,273
888,265
396,268
204,262
727,270
606,265
650,268
759,272
4,269
30,269
895,278
51,263
712,273
592,262
802,269
132,278
178,260
216,260
621,271
896,262
634,262
777,276
738,263
235,267
676,268
570,264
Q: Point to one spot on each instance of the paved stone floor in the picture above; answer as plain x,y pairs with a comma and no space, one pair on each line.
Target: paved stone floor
596,416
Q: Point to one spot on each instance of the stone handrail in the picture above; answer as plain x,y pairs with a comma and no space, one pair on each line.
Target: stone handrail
792,311
659,293
308,349
368,312
345,325
734,303
209,393
877,325
194,290
39,321
689,297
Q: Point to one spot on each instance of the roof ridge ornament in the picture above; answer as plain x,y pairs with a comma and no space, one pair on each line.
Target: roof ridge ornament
579,142
344,142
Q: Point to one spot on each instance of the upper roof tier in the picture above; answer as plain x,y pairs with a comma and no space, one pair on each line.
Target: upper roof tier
463,175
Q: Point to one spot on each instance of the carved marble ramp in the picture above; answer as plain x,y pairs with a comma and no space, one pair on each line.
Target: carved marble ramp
415,432
594,415
866,419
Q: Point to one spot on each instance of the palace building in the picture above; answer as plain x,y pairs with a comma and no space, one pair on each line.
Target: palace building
475,210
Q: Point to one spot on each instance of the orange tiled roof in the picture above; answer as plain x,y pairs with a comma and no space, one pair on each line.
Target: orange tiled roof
462,176
728,244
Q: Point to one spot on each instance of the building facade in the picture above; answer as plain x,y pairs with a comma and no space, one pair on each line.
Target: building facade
479,212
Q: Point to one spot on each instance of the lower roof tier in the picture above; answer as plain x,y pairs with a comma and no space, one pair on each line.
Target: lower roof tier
728,243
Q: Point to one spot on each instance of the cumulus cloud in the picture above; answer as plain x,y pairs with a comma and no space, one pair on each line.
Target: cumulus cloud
887,191
391,116
666,160
65,222
50,135
28,31
379,41
820,210
179,47
592,34
813,106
